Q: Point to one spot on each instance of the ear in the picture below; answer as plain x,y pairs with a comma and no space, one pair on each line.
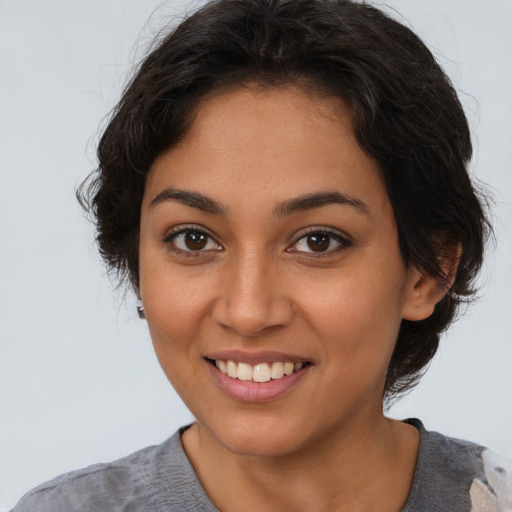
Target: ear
424,291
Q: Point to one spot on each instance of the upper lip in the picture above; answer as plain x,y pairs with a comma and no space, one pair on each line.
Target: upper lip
266,356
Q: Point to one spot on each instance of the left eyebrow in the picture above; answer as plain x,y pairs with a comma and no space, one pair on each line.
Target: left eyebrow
317,200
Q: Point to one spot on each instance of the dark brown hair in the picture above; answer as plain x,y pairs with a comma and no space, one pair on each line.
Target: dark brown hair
406,115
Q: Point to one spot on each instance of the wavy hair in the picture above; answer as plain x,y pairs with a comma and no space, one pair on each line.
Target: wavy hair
406,115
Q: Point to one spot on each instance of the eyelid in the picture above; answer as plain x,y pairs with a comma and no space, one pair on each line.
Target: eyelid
175,231
342,238
180,228
339,236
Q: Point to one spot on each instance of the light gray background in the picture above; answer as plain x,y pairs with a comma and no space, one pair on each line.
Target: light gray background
78,379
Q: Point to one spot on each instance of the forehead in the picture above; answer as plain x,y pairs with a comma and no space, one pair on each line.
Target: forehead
282,140
277,117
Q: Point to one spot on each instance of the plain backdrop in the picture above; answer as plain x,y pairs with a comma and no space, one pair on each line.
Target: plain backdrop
78,379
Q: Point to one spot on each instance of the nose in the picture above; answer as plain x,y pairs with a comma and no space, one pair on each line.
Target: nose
252,298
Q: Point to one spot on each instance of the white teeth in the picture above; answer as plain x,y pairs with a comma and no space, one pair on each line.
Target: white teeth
277,370
222,366
288,368
262,372
244,371
231,368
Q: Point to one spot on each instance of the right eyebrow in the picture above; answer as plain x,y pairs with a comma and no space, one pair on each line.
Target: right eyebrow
189,198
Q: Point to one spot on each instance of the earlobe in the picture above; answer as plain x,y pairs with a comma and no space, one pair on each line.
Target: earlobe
140,304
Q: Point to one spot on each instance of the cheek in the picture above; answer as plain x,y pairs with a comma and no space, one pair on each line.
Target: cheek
173,317
172,304
173,298
174,310
356,311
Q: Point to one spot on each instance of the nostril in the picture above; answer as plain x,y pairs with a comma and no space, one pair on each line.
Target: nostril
250,317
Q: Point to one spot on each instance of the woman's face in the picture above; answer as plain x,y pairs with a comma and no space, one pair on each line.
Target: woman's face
267,242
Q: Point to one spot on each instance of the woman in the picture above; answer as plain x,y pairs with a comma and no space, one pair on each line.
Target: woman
284,184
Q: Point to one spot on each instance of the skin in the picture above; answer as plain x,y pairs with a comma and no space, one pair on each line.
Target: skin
258,285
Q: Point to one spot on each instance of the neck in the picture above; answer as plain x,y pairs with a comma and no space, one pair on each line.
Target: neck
365,468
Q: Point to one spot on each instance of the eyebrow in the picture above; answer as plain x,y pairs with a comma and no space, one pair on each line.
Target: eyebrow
297,204
316,200
189,198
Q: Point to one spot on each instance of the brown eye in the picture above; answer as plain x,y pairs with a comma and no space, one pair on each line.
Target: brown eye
195,240
322,242
319,242
190,241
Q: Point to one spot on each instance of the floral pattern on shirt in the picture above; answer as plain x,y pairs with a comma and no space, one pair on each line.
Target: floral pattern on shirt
496,494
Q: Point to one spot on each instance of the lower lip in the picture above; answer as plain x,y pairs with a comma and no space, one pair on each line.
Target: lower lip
249,391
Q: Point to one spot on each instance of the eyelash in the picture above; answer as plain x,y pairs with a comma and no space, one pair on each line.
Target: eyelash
335,235
183,230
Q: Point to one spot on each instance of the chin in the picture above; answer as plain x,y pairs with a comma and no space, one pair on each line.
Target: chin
260,445
259,436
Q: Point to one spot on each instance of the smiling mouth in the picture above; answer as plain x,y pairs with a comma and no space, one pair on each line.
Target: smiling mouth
261,372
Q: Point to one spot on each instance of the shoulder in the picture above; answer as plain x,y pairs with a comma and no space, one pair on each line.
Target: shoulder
492,491
116,485
460,473
154,478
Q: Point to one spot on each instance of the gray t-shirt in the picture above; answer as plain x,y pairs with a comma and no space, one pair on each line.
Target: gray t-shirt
450,475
